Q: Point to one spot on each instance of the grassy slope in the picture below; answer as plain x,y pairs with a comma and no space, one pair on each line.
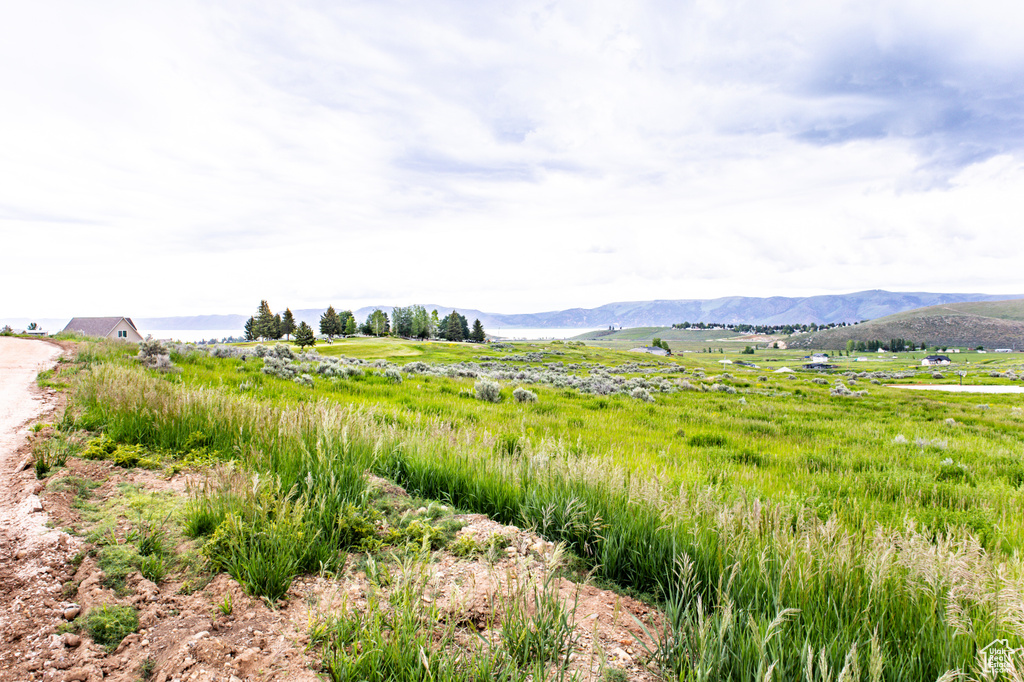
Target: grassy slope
791,440
709,458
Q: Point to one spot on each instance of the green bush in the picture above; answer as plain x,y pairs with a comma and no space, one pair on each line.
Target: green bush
108,625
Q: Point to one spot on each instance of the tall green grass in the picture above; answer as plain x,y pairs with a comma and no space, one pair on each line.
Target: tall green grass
822,590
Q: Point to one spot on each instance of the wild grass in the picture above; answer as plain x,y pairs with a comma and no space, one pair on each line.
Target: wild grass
400,633
800,525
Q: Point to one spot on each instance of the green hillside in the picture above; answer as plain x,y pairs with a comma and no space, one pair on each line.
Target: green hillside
992,324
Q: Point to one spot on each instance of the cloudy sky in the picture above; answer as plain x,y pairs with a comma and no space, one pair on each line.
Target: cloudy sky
164,158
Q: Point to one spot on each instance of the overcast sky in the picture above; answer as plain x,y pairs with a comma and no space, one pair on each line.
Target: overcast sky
193,158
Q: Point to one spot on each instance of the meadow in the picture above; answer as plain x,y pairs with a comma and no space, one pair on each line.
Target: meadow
786,526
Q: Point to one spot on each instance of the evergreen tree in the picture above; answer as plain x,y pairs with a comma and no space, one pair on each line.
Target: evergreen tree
250,329
330,323
287,323
264,325
477,335
464,325
304,335
277,334
453,327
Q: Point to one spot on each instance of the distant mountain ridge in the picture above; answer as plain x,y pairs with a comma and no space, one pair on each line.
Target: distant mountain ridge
822,309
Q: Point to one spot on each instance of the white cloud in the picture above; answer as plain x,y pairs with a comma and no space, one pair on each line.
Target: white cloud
534,156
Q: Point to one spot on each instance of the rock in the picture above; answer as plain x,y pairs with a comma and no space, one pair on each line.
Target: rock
20,554
72,640
71,612
77,675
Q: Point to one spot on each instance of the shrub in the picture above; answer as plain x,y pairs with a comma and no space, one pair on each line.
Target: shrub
522,395
108,625
488,391
154,354
641,394
393,375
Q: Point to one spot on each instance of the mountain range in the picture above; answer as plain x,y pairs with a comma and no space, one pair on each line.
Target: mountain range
823,309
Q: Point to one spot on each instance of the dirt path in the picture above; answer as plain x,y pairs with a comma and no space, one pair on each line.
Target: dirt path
31,555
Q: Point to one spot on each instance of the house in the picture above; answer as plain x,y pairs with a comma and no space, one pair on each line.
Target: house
119,328
653,350
819,357
932,360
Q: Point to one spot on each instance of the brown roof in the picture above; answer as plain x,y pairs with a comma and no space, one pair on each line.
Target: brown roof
96,326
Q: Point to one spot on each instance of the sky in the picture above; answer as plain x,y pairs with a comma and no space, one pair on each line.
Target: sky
187,158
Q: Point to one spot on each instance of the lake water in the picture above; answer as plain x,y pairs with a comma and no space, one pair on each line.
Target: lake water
196,335
536,333
193,335
954,388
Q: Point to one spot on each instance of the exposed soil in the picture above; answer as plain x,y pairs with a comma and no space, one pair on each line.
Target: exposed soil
184,634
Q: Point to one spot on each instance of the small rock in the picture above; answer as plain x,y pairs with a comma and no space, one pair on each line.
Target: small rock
234,679
72,640
77,675
37,507
71,612
20,554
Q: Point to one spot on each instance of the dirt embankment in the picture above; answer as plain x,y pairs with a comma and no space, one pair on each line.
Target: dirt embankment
47,578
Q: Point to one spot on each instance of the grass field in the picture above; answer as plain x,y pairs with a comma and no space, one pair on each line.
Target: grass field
881,531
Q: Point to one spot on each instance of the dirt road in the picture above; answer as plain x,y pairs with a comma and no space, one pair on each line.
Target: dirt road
32,556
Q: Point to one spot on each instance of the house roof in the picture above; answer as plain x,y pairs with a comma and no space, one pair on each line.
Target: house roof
96,326
937,357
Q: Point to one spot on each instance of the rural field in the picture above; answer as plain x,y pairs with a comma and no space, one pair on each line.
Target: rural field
783,523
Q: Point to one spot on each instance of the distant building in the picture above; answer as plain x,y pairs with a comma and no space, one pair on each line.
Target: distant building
819,357
933,360
118,328
653,350
1003,350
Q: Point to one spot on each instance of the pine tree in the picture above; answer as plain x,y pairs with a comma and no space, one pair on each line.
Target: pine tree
264,326
287,323
304,335
250,329
350,325
453,327
277,333
330,323
478,335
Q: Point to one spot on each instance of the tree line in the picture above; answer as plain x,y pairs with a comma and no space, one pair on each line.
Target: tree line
761,328
412,322
892,346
